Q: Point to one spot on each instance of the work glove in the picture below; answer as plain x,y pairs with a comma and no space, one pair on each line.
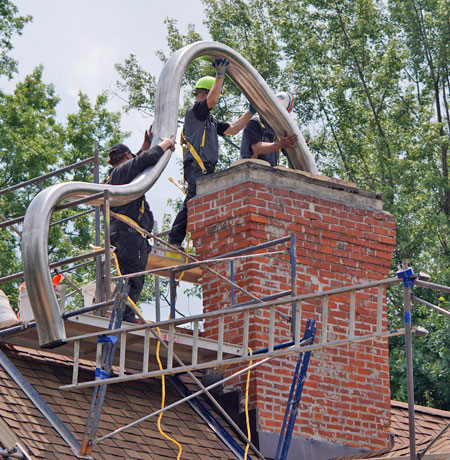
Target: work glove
221,66
251,109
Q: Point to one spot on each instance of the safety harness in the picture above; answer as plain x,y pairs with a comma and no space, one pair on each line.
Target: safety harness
185,144
129,219
255,155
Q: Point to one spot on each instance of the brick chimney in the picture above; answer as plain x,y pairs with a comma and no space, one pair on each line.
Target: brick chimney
343,237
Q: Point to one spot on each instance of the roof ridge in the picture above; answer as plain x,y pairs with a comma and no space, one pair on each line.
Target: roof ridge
418,408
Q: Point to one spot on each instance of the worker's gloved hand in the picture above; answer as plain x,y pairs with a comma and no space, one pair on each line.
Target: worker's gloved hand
221,66
251,109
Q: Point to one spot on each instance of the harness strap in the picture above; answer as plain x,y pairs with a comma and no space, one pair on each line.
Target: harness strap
129,219
186,144
255,155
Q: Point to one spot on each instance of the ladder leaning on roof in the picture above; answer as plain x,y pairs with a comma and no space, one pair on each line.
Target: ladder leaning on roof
221,356
295,394
105,359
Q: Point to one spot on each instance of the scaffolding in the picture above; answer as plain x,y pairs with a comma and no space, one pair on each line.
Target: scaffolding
184,352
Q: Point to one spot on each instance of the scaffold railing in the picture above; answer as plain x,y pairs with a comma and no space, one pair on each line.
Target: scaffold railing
268,309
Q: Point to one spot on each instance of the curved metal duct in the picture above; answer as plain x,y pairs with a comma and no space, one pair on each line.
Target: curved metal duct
43,300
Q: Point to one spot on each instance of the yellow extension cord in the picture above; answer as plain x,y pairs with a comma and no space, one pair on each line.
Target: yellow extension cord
163,380
163,400
163,385
247,418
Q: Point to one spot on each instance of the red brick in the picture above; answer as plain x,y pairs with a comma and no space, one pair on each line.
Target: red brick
347,388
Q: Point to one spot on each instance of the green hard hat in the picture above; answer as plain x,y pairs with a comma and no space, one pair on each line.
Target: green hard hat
205,83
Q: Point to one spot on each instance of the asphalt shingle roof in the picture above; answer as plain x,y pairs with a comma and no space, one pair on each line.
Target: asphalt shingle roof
124,403
428,423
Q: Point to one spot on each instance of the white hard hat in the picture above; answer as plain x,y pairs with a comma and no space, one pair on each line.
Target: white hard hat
286,100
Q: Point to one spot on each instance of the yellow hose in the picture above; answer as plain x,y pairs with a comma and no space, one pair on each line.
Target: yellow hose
163,400
163,380
247,418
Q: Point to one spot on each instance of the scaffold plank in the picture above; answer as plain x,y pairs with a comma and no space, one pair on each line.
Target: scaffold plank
164,258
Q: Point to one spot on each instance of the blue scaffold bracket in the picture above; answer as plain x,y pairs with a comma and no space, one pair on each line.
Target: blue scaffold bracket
107,338
100,373
407,276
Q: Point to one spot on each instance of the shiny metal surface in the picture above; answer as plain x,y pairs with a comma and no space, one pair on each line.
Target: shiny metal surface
43,300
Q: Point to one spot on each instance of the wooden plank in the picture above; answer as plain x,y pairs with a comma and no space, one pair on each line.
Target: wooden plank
163,258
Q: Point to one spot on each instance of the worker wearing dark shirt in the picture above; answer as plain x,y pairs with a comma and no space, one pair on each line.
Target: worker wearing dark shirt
259,141
200,132
132,248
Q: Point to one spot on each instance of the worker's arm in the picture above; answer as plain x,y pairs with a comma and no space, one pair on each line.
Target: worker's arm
148,136
260,148
221,66
151,156
167,143
214,94
239,124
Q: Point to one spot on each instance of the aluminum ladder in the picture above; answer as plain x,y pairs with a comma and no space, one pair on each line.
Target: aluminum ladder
295,393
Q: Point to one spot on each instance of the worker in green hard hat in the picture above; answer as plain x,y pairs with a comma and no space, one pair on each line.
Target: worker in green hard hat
205,83
200,142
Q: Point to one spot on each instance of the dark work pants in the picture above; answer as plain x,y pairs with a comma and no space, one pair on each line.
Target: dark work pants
132,252
192,172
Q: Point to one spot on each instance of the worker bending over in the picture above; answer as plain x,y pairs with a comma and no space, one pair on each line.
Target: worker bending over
132,247
259,141
200,135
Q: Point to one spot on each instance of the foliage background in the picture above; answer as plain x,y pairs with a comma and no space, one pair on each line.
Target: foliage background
371,83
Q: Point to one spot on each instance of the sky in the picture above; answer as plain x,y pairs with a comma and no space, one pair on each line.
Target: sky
78,43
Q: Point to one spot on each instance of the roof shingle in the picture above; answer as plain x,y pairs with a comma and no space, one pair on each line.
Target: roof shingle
123,404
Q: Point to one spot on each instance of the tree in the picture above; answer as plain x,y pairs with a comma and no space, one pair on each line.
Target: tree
10,24
371,86
93,126
33,143
371,83
29,141
426,33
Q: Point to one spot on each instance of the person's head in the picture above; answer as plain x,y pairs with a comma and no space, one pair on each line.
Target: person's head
118,154
286,100
203,87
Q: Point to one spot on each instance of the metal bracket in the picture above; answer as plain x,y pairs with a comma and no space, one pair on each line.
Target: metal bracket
408,277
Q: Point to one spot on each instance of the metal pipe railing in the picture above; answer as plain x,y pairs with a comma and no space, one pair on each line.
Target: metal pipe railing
77,201
11,222
46,176
36,231
56,264
189,266
213,314
409,366
429,304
